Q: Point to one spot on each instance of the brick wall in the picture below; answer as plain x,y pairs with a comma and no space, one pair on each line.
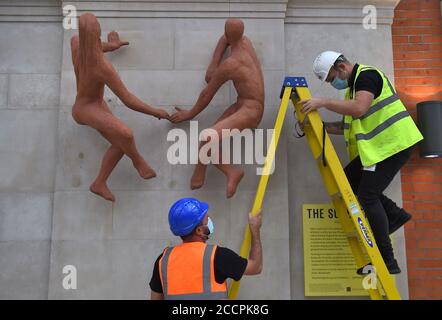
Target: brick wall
417,49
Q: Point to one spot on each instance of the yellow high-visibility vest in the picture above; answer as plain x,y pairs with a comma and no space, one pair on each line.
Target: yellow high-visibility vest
386,129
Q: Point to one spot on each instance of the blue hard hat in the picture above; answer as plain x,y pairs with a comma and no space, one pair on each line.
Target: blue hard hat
185,215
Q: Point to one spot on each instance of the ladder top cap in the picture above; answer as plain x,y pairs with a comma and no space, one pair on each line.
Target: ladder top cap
295,82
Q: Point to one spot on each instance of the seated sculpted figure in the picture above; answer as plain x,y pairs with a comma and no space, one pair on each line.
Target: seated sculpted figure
93,71
244,69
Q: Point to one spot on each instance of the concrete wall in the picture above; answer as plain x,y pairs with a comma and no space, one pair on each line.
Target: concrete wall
114,246
30,64
49,219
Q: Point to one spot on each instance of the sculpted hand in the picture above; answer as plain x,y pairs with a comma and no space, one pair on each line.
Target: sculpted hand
161,114
180,115
114,39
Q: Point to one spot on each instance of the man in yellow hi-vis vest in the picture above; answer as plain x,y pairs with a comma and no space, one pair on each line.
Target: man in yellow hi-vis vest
379,134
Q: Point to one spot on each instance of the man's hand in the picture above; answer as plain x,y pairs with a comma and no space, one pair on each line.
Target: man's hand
255,221
180,115
161,114
311,104
114,39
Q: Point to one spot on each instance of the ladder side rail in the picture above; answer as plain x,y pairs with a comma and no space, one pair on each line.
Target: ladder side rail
356,214
260,192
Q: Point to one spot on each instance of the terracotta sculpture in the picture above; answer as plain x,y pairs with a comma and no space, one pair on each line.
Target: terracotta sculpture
244,69
93,71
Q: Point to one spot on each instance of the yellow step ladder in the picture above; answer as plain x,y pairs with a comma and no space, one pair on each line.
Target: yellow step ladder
347,207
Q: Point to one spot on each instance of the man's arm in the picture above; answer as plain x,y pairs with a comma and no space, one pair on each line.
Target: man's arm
335,127
156,295
254,263
356,107
156,287
220,49
331,127
113,43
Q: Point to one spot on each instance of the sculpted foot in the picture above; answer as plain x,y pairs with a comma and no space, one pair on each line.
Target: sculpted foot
102,190
144,170
198,177
233,179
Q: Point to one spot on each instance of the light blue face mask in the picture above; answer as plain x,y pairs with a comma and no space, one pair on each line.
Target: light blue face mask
339,84
210,226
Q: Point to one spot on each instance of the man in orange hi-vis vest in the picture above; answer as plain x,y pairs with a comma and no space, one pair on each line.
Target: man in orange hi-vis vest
194,269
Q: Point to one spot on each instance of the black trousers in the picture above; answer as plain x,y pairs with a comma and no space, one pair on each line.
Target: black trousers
369,187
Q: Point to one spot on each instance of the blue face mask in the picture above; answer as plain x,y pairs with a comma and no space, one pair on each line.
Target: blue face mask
339,84
210,226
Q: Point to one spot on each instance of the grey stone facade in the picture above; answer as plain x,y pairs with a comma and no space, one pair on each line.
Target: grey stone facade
49,219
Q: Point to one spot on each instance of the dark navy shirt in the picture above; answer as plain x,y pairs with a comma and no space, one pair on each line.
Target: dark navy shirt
368,80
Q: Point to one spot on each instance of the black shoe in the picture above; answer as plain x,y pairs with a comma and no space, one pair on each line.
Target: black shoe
392,267
399,222
360,271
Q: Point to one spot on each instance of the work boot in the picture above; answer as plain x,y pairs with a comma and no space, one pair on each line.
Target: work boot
402,219
392,267
360,271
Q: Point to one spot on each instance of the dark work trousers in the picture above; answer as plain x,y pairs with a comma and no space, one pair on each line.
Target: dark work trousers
369,187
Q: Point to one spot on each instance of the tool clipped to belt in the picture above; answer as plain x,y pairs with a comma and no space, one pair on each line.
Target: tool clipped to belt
299,133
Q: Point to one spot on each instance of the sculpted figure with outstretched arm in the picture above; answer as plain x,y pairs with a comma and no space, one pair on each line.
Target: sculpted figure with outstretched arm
244,69
93,71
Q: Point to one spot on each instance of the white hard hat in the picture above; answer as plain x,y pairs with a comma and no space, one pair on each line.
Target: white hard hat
324,62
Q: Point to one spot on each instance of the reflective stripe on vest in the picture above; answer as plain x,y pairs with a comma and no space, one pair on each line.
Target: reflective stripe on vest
380,105
385,102
384,130
207,267
384,125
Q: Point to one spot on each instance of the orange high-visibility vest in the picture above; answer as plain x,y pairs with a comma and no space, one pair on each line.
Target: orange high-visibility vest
187,272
